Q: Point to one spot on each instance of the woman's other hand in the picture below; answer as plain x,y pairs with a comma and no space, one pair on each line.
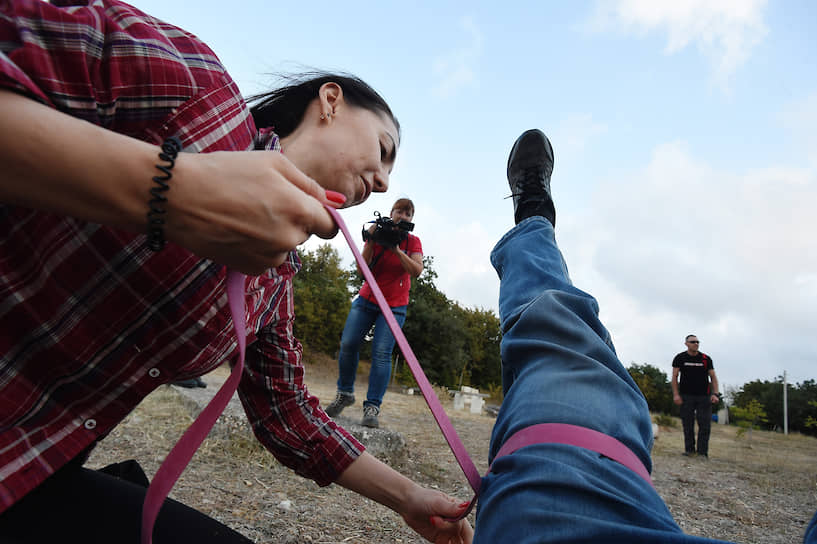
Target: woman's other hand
425,510
421,508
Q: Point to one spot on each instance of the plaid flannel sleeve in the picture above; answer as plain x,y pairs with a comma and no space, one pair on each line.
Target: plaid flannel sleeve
105,62
283,415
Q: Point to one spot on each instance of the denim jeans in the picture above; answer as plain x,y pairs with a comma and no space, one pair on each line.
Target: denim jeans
360,319
559,366
696,407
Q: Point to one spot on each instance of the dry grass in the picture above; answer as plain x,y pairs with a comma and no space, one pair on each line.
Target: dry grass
758,490
761,490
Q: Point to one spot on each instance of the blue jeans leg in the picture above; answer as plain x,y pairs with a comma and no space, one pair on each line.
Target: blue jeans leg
811,531
361,316
382,347
559,366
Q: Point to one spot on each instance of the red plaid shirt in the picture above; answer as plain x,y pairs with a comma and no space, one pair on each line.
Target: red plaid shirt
90,321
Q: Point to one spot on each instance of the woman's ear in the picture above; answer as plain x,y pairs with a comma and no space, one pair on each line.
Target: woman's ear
330,96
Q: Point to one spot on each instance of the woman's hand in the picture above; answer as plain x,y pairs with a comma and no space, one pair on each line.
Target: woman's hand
413,264
425,510
247,210
421,508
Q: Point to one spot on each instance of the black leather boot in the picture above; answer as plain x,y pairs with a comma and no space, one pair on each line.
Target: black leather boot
530,165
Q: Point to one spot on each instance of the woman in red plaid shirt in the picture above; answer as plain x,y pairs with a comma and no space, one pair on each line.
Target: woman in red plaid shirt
92,319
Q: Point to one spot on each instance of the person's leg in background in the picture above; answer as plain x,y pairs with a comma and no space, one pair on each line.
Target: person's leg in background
559,366
361,316
703,412
380,372
688,422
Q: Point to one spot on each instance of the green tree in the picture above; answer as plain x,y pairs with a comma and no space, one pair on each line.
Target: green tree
655,386
770,395
455,346
749,416
435,329
803,407
483,368
767,393
322,299
811,421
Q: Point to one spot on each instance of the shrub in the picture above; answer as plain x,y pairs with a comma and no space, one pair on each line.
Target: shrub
665,420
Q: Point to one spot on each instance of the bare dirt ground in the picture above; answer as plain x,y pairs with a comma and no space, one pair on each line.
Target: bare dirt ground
758,490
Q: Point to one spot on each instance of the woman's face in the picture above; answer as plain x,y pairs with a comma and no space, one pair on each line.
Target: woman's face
402,214
352,151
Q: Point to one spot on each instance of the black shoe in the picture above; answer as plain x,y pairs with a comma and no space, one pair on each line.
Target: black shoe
688,454
530,165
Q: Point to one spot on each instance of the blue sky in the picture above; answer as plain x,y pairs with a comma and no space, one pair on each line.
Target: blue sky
685,136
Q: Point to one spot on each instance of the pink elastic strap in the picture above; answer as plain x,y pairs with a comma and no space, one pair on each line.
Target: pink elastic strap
460,453
178,458
573,435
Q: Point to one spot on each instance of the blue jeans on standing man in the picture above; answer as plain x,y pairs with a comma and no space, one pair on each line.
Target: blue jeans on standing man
559,366
361,316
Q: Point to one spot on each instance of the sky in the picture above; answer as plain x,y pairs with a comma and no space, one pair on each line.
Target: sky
685,136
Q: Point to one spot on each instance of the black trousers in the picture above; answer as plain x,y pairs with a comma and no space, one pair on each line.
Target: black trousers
696,408
77,504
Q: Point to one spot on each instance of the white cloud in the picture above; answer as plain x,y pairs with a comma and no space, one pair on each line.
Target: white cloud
574,132
724,31
682,247
456,69
461,258
800,118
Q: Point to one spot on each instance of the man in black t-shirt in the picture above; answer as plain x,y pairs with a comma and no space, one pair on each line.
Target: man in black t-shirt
697,393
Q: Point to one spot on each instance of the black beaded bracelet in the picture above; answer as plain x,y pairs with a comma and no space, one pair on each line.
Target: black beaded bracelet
156,220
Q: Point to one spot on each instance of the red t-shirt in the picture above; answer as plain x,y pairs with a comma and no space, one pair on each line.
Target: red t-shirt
390,275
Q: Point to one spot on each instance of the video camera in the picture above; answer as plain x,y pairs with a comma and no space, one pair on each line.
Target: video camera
386,232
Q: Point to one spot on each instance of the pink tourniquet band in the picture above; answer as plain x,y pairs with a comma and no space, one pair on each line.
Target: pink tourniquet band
573,435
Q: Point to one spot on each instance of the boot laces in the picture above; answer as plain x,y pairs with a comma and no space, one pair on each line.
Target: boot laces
340,399
530,184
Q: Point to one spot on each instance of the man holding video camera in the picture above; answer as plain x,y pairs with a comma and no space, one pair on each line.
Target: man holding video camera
394,256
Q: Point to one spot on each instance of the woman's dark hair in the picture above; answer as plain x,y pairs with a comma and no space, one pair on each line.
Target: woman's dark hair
284,107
